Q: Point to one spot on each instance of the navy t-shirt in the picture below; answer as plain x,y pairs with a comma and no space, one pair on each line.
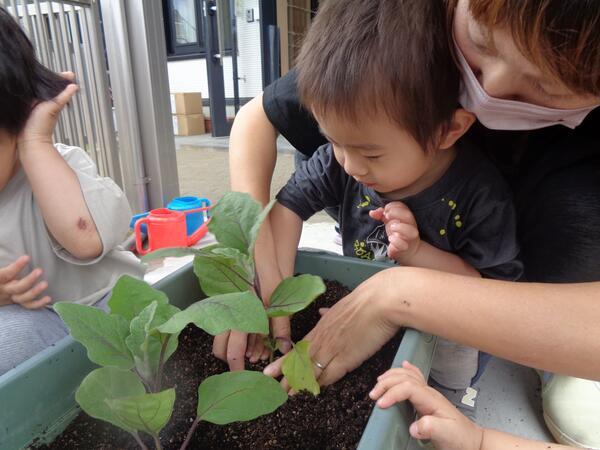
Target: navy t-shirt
468,211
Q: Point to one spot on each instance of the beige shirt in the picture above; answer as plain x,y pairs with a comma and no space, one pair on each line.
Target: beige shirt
23,232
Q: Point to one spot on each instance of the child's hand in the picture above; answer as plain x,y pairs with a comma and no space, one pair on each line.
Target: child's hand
281,329
234,346
42,120
24,291
401,229
439,420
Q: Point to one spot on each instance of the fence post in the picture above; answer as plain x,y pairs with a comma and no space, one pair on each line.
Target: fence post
136,51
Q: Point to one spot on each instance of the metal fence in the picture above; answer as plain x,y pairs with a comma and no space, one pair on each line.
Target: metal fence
67,37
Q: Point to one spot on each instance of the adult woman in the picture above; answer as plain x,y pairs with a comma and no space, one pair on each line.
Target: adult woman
543,56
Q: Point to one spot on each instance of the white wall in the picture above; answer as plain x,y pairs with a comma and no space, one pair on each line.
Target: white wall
190,75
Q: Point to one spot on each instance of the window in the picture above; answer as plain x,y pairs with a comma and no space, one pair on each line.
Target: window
184,28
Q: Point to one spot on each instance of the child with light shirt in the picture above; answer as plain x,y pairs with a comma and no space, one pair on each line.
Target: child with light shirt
408,189
61,222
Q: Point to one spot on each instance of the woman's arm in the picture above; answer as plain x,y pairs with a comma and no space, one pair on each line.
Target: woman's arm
538,325
252,151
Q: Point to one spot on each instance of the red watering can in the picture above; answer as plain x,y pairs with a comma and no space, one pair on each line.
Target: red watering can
167,228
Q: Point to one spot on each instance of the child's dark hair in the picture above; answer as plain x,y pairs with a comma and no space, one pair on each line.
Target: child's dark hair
24,81
360,57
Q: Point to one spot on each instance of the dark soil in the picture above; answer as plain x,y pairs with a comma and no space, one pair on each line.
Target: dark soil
333,420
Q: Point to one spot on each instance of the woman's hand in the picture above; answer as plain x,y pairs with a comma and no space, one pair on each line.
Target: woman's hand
438,420
351,331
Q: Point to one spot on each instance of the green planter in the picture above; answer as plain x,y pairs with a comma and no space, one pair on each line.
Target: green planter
37,399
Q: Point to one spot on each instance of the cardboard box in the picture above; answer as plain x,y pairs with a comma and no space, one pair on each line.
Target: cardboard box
189,124
186,103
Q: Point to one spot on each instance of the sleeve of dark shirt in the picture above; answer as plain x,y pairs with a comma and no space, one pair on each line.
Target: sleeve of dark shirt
295,123
487,238
318,183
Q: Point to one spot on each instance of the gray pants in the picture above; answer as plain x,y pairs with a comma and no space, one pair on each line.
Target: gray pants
24,333
454,365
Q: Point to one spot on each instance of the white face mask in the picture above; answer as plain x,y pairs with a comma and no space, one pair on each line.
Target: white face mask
500,114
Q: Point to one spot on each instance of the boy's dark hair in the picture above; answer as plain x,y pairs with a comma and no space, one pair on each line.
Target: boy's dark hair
24,81
364,56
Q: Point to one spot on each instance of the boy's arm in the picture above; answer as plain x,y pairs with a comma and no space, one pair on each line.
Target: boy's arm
407,248
430,257
286,227
55,185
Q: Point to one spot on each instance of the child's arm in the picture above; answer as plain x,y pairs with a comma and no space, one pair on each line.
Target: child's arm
408,249
55,185
439,420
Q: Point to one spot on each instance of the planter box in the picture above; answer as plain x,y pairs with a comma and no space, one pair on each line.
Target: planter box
37,398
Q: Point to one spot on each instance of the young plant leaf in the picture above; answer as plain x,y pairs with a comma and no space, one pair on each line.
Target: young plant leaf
294,294
145,343
241,311
103,335
223,270
297,367
168,252
238,396
104,384
233,218
145,412
130,296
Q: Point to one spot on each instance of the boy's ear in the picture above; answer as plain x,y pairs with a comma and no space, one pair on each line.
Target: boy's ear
459,125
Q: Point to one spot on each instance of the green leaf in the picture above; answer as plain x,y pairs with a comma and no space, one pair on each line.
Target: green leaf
233,219
298,369
130,296
145,343
103,385
223,270
238,396
167,252
103,335
294,294
241,311
145,412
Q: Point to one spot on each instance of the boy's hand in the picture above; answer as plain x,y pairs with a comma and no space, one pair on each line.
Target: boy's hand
234,346
24,291
439,420
401,229
42,120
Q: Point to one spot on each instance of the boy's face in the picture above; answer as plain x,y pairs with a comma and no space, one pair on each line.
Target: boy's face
379,154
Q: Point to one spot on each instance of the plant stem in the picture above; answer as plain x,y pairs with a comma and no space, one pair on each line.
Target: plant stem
257,287
145,382
157,442
188,438
139,441
161,364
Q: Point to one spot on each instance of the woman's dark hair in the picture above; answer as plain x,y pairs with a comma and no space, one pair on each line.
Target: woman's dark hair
24,81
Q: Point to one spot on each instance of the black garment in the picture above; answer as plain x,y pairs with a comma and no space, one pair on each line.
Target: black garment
468,211
554,174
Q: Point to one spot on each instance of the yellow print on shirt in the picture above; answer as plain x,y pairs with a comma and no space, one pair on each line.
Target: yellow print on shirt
366,202
360,250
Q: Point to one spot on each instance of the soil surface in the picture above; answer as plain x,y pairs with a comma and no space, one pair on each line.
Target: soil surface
333,420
